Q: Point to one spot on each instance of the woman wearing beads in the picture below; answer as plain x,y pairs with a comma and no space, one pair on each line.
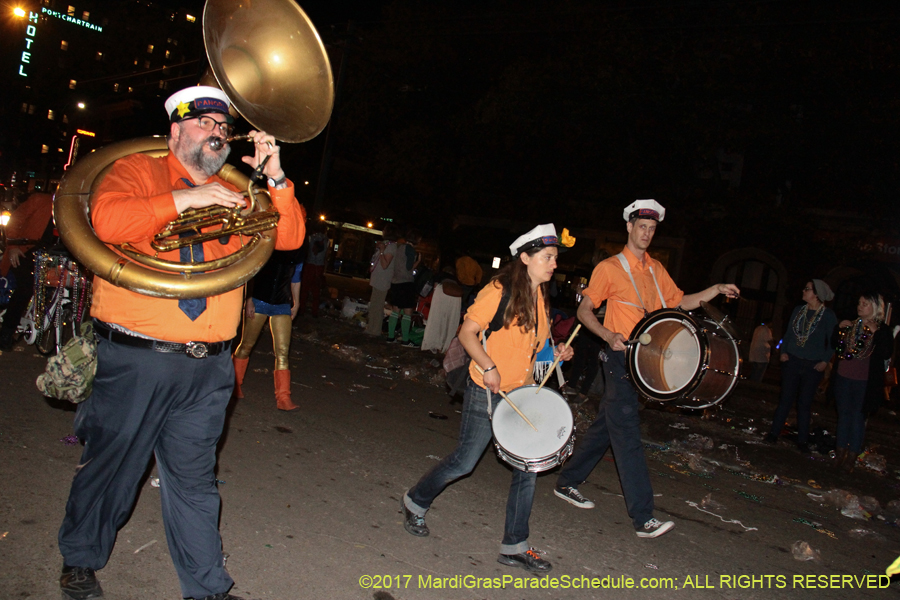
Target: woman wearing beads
806,351
863,347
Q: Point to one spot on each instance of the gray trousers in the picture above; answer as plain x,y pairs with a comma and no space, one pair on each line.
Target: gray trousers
144,403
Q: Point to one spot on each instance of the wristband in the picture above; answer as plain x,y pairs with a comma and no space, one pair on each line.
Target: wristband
276,182
489,369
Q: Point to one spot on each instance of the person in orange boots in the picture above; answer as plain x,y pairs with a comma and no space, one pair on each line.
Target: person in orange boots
270,300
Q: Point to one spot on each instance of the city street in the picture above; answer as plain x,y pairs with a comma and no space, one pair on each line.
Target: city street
310,499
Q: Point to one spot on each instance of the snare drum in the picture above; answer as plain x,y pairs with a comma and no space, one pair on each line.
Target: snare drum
523,447
690,360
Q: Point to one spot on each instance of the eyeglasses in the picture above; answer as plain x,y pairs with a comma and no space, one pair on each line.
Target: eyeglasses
209,124
807,289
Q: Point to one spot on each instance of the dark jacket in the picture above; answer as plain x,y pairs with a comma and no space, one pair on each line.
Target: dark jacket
272,284
882,350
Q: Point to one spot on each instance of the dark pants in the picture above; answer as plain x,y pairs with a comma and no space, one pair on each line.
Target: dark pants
474,436
311,285
799,381
146,403
849,396
618,425
587,360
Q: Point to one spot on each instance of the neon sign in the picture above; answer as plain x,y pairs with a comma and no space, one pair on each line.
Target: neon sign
70,19
30,31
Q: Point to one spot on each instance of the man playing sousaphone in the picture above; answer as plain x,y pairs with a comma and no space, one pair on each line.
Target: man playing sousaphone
634,284
164,375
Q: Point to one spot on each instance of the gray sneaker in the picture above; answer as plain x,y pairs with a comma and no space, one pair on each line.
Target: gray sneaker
573,496
654,528
412,522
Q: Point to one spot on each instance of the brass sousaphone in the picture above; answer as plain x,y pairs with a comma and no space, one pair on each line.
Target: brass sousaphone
268,58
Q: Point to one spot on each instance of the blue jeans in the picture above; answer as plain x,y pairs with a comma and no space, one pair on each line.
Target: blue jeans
799,380
849,395
618,425
474,436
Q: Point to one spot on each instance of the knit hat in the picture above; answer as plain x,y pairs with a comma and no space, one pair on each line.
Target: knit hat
823,292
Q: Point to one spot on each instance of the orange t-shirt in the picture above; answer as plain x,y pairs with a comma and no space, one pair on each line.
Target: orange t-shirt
609,281
511,349
133,203
28,222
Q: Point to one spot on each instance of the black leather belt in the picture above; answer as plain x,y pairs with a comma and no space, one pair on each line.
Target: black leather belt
192,349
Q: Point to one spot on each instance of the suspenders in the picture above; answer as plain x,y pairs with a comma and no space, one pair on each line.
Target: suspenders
624,261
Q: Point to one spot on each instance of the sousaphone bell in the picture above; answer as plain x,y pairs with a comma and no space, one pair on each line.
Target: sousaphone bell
268,58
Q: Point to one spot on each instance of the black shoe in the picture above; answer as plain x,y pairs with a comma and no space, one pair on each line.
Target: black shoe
530,560
79,583
573,496
413,523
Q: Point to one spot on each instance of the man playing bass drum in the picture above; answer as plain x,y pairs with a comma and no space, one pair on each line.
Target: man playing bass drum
634,284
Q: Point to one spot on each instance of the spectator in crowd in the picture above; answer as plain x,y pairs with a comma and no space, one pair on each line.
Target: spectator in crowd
760,351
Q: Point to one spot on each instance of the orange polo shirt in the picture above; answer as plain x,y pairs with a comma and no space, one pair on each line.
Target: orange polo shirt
133,203
609,281
511,349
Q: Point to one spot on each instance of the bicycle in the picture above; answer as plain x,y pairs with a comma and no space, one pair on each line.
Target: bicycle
61,299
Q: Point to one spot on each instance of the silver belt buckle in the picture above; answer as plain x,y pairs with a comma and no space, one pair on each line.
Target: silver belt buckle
196,350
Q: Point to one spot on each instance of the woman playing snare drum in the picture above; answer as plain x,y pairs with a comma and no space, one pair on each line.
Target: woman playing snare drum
507,362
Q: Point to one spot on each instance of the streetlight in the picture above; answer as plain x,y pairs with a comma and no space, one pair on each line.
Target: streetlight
19,12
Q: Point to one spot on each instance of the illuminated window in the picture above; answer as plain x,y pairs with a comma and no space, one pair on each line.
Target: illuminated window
31,109
135,62
146,64
50,115
59,149
130,89
72,84
71,11
24,107
64,45
115,87
168,54
65,119
150,49
163,84
98,56
190,18
45,149
86,16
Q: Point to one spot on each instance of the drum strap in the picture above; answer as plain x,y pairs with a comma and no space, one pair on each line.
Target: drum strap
624,261
496,324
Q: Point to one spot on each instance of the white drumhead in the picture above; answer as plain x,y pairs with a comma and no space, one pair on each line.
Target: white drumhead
549,413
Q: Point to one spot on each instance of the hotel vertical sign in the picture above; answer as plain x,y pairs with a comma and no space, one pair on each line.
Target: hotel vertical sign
30,32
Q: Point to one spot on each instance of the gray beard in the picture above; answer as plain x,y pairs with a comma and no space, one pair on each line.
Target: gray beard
208,163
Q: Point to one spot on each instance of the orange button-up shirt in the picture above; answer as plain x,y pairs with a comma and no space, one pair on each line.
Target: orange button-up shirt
609,281
133,203
512,350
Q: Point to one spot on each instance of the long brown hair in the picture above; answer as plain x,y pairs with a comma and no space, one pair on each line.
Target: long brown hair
516,282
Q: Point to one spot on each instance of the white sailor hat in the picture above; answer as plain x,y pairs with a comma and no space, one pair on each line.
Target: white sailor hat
195,101
644,209
540,236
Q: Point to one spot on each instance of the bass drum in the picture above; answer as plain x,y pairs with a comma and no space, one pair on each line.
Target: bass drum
690,360
521,446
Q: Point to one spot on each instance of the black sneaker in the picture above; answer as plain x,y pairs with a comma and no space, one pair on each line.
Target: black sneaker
573,496
530,560
79,583
410,345
654,528
412,522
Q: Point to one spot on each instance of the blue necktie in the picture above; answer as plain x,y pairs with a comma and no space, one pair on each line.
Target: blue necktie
194,307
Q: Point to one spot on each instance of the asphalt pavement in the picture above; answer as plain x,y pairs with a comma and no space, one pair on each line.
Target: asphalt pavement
310,499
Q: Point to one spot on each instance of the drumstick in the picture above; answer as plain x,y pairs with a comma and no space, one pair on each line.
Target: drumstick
556,360
643,340
505,397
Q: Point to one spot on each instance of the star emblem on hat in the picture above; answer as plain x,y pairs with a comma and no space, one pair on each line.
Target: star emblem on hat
183,108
